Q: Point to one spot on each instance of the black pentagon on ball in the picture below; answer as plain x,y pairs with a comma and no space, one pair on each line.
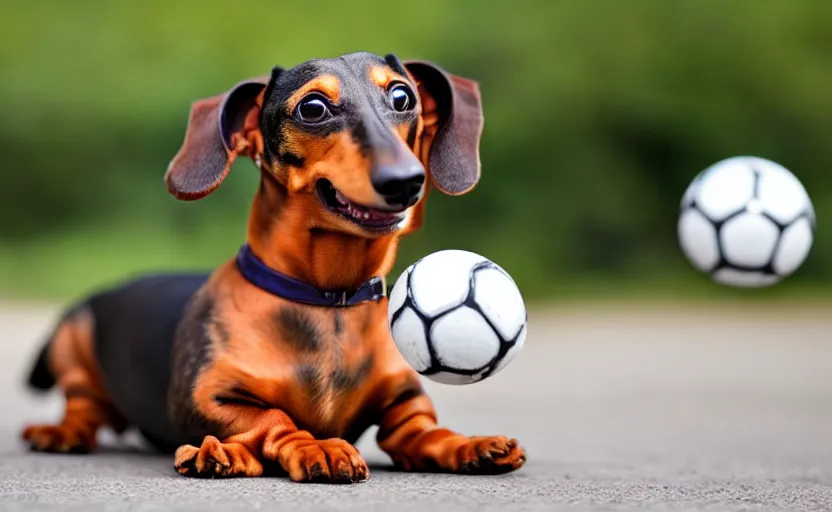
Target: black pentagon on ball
427,322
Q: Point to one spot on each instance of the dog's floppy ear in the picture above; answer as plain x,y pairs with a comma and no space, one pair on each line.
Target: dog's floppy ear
220,129
452,113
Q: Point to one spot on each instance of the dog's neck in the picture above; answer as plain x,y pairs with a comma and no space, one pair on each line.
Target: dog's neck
280,234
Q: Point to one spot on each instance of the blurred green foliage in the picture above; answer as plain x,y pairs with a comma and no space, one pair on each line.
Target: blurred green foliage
598,114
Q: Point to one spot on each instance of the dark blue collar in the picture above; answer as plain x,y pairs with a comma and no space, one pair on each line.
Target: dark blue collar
258,274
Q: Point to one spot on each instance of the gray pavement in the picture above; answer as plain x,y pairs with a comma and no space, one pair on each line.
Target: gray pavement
639,408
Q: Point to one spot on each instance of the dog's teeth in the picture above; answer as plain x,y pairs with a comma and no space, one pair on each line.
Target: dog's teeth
340,198
366,215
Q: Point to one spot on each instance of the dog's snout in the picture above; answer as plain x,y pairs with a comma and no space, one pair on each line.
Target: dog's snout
400,185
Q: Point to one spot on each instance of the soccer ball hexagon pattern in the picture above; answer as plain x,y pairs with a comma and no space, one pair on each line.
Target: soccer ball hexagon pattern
457,317
746,222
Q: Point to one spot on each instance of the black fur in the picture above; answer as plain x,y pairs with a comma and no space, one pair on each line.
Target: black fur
240,396
134,332
312,381
337,323
291,159
360,135
190,350
40,377
276,72
363,420
411,134
395,64
343,380
298,329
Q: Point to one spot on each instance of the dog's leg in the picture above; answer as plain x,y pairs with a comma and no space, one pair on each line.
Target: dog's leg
84,415
275,437
408,432
87,407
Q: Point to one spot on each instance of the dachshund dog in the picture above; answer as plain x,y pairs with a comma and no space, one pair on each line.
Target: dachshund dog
282,357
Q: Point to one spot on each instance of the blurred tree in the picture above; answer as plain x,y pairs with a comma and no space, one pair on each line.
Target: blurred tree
597,117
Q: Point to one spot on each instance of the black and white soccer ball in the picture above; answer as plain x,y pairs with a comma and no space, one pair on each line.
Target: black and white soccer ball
746,222
457,317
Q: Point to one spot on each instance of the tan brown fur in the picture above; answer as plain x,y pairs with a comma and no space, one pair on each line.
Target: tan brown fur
328,85
383,76
71,360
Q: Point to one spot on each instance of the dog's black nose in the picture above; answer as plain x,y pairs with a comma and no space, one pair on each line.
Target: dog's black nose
400,186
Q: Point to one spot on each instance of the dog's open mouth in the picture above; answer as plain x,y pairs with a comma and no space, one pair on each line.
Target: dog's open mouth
366,217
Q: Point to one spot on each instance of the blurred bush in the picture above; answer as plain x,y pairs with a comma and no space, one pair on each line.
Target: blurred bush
597,116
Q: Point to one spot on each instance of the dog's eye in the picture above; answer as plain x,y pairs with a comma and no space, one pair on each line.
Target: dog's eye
400,98
312,110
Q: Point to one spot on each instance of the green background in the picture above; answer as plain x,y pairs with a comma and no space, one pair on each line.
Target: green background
598,114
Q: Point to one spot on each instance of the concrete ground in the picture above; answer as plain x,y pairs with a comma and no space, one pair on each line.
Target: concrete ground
648,408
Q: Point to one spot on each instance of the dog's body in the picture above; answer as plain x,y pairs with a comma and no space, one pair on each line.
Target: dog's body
251,377
126,334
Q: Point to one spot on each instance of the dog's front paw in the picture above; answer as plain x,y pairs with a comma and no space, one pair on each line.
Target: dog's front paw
216,460
489,456
327,461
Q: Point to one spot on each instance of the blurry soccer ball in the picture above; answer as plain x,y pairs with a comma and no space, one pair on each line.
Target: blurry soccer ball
747,222
457,317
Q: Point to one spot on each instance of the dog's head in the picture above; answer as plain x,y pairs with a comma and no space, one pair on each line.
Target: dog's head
354,137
